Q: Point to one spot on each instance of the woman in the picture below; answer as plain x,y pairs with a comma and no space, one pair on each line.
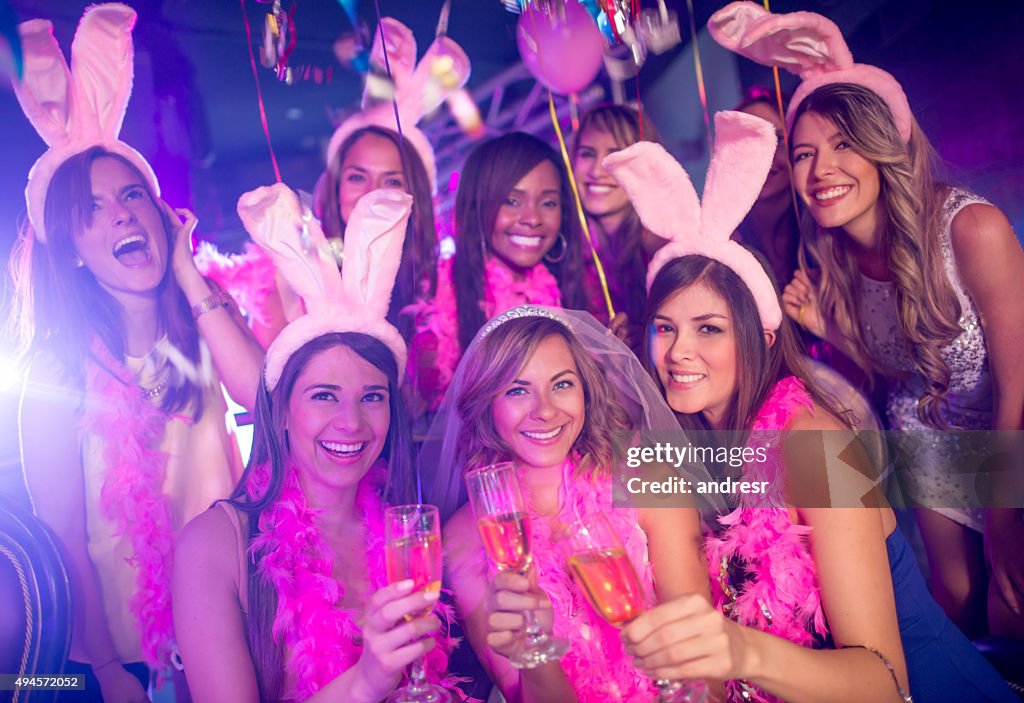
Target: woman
812,602
916,284
517,242
311,616
540,387
623,244
119,364
371,149
367,158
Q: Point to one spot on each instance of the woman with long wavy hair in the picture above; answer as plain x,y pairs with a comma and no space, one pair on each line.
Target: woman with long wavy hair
555,392
916,284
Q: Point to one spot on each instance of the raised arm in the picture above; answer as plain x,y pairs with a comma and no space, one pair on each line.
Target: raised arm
686,638
236,352
52,462
493,617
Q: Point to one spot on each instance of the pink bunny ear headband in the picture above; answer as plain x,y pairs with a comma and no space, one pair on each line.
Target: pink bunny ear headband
76,108
665,200
810,46
354,300
419,89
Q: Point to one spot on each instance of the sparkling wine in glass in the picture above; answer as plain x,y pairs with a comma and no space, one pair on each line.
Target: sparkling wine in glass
602,568
504,525
412,550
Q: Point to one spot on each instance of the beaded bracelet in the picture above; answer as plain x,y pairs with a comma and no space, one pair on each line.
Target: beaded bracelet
906,697
216,299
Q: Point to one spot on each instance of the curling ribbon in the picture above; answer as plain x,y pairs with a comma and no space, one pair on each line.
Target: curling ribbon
785,130
579,206
259,95
701,89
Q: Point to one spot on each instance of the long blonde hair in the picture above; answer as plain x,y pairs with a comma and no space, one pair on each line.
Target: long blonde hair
927,305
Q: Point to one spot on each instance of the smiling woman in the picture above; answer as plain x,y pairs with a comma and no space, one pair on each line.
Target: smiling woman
311,615
549,390
517,242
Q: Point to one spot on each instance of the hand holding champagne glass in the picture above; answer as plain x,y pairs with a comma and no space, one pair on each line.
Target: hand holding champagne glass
601,567
504,526
412,550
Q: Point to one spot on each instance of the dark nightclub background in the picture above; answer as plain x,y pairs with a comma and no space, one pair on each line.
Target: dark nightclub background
194,112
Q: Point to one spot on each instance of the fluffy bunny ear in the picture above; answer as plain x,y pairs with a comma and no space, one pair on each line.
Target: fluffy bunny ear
443,70
744,151
373,249
658,187
102,69
274,218
804,43
45,90
401,54
729,25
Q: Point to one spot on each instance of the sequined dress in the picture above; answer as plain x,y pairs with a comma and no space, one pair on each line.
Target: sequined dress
940,477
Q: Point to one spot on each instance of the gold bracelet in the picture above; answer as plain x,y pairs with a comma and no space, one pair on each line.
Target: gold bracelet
216,299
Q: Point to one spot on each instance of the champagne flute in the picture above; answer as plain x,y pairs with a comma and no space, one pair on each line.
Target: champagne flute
504,526
412,550
601,567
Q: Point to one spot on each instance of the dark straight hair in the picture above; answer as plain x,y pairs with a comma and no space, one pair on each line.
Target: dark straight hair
270,447
489,175
759,367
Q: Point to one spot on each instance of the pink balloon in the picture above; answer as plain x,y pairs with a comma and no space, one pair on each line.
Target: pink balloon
563,53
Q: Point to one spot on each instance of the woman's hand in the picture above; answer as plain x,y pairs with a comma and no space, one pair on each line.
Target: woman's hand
390,642
619,326
183,223
510,596
118,685
800,301
686,638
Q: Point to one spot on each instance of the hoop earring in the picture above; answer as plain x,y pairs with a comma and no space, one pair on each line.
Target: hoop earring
561,255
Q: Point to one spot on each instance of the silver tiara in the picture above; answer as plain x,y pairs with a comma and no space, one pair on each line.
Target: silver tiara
521,311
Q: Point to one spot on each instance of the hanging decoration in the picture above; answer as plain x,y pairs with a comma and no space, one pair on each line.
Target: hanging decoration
562,49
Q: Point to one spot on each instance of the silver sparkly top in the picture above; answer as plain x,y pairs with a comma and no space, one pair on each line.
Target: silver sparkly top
970,387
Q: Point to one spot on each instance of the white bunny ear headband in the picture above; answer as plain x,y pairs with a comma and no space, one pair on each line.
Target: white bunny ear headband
809,45
354,300
665,200
76,108
419,89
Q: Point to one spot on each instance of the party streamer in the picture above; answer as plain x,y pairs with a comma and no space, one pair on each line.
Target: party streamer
579,206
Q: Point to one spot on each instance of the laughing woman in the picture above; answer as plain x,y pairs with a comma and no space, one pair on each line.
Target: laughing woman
123,429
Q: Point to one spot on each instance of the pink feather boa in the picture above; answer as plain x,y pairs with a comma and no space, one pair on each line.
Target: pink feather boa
438,321
596,663
781,596
132,495
249,278
322,640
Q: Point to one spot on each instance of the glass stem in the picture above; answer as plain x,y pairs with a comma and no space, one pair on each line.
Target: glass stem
417,678
534,632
